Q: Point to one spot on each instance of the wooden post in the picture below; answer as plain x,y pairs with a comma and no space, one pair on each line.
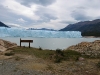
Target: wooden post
29,44
20,42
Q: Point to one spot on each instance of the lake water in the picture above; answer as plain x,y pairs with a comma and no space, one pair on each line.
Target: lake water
50,43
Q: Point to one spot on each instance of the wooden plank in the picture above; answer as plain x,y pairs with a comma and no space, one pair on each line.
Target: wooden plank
26,41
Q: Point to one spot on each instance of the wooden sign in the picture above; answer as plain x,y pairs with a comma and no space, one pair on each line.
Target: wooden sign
29,41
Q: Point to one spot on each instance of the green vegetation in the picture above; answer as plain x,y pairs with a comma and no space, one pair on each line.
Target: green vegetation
92,55
56,56
56,61
59,55
71,55
45,54
40,48
9,54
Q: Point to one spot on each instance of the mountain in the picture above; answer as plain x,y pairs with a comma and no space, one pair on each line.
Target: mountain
87,28
3,25
41,29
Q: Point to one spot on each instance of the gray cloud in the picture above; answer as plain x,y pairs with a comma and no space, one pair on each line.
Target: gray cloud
48,17
5,14
41,2
8,17
80,15
48,13
45,15
67,22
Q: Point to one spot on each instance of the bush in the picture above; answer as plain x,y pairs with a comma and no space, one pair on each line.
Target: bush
59,52
9,54
66,55
70,54
58,59
40,48
59,55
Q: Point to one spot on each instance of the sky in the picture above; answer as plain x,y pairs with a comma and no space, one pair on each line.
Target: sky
51,14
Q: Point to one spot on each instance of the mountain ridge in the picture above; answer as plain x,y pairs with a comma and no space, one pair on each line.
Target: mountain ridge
87,28
3,25
41,29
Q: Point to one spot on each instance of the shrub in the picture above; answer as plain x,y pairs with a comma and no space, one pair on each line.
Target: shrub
70,54
40,48
66,55
58,59
9,54
59,52
59,55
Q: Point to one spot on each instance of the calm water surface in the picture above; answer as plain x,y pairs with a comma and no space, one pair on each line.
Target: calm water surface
50,43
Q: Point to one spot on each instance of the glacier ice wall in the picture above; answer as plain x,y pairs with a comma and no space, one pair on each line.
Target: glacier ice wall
19,32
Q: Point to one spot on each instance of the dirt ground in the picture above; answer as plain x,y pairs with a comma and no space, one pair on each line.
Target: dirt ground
20,64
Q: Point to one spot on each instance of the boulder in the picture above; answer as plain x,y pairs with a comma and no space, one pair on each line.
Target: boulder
87,48
4,45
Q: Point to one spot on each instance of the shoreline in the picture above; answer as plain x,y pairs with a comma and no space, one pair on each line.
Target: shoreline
91,36
52,43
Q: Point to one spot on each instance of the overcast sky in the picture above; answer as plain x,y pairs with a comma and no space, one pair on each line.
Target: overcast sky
53,14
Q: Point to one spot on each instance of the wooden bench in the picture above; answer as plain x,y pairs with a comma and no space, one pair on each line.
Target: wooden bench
29,41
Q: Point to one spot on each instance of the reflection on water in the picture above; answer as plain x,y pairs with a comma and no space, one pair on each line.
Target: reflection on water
50,43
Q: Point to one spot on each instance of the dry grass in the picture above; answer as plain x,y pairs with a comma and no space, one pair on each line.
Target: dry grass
34,66
66,67
87,67
45,54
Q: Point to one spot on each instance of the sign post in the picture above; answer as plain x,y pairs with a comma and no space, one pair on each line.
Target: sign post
29,41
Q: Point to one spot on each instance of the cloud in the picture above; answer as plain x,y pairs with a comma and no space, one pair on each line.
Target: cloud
15,25
21,20
12,25
80,15
39,2
19,9
55,14
67,22
53,24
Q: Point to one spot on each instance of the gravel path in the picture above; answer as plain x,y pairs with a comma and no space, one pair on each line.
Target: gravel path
12,67
29,66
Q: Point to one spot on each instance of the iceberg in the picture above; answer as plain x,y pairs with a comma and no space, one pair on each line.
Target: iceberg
20,32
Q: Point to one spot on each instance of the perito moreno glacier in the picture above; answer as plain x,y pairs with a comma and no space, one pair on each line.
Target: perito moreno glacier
19,32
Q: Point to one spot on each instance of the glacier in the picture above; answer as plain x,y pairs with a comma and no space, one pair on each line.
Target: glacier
21,32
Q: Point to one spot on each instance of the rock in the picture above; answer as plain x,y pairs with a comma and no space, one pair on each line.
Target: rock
4,45
87,48
0,63
2,48
81,59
